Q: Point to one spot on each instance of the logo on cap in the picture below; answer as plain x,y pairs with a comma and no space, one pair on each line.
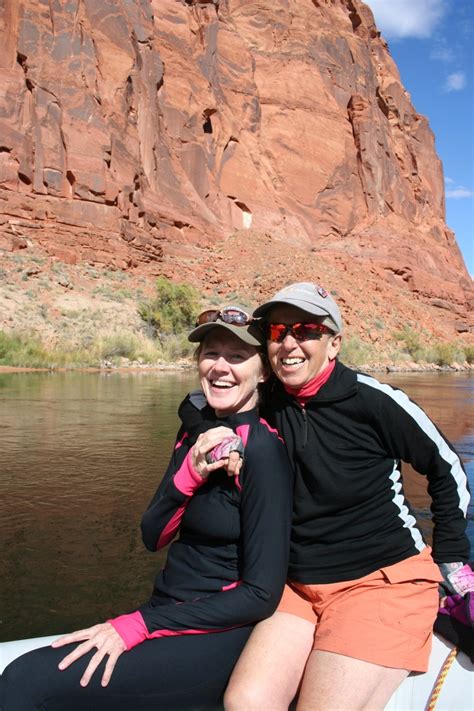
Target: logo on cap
322,292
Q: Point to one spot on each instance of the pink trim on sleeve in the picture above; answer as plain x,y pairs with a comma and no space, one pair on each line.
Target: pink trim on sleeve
243,432
169,531
186,479
179,444
271,429
177,633
131,628
231,586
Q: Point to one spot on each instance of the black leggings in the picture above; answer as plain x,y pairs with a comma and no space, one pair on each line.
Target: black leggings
187,672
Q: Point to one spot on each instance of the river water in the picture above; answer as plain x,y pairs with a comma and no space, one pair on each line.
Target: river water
81,455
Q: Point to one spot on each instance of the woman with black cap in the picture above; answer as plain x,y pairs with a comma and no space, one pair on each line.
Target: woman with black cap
357,614
226,571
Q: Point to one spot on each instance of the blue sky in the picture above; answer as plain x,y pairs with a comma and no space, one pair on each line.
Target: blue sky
431,41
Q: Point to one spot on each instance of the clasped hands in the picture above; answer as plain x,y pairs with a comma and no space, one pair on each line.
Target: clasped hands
215,449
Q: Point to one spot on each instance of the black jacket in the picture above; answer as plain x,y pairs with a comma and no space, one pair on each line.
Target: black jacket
228,566
350,514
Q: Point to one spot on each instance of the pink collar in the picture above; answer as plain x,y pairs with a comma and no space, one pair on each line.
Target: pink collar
309,389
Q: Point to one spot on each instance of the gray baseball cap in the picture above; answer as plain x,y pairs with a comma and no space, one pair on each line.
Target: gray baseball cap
312,298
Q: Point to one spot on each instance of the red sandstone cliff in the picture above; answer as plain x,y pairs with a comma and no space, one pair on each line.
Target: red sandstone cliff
236,144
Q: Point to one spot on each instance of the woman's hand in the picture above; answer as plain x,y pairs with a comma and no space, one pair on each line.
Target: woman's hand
107,641
205,443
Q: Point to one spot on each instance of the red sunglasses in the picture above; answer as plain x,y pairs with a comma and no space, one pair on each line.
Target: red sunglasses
277,332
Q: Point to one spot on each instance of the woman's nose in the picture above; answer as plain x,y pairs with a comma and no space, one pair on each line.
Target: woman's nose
289,341
221,365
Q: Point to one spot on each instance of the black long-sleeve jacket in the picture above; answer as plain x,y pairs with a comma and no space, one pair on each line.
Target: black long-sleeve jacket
350,514
229,564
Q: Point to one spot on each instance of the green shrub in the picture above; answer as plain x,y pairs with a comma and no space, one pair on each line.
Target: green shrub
173,310
411,342
124,344
24,351
446,353
355,352
443,353
117,345
469,354
176,347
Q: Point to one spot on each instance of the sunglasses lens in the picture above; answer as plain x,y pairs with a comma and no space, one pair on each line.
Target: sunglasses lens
276,331
299,331
306,331
235,316
232,315
207,317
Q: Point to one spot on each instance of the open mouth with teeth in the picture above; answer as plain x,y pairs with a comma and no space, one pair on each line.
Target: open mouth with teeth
221,384
292,362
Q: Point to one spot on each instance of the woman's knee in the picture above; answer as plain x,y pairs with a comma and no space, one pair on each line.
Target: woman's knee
27,680
239,697
15,685
252,696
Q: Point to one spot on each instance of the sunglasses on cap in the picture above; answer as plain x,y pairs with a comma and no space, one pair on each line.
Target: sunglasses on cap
230,314
308,331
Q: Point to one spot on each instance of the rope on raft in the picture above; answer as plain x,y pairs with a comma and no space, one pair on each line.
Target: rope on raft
433,700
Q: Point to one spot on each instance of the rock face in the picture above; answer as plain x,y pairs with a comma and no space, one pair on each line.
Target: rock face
204,140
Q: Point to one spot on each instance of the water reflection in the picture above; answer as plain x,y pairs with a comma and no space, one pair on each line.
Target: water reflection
82,454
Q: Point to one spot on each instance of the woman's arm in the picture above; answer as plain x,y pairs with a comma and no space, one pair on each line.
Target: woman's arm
410,435
167,500
187,472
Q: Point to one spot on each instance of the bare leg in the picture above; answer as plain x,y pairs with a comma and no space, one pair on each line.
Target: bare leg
334,682
269,671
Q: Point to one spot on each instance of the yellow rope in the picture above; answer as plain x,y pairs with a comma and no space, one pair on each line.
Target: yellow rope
440,680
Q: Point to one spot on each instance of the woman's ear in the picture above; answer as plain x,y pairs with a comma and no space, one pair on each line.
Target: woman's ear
335,343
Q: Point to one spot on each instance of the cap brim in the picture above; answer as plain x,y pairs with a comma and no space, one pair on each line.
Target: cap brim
309,308
250,334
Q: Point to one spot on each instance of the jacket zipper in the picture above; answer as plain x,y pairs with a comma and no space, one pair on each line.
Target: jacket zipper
305,428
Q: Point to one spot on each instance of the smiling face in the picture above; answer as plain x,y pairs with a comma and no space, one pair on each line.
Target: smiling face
294,362
230,371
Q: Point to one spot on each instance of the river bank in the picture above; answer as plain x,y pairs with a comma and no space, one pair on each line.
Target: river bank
189,365
55,316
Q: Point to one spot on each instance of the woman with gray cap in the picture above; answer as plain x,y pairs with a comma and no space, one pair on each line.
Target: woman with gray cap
362,595
226,571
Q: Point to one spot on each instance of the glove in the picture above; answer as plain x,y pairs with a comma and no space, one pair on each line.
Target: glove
458,578
455,622
224,448
460,608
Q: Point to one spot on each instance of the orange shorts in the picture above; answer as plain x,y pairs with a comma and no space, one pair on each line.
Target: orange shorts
385,618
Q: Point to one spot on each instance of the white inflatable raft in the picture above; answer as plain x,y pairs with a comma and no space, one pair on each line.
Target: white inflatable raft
456,693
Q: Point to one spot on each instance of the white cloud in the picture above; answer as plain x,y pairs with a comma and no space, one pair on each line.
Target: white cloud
459,193
442,53
448,181
398,19
455,82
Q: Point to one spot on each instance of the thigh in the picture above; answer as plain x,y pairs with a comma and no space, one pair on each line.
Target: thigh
336,682
183,672
271,666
